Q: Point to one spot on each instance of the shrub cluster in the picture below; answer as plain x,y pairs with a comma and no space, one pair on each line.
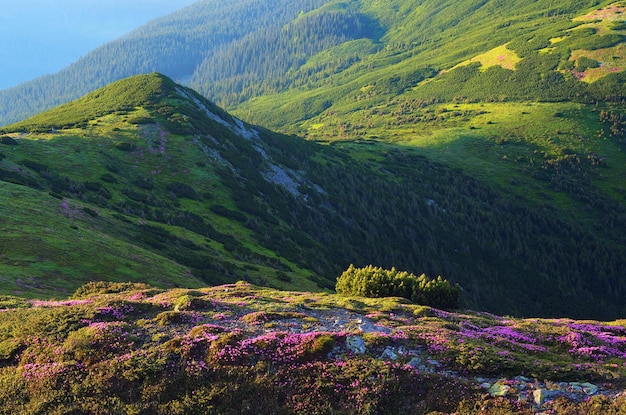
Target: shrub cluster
376,282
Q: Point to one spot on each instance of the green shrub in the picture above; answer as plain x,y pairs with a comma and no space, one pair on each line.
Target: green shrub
618,25
10,348
167,318
90,212
182,190
8,141
140,120
108,178
282,276
377,282
10,301
583,63
126,146
38,167
106,287
228,213
188,302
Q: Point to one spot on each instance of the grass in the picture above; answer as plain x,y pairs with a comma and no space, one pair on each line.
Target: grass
611,60
45,245
391,73
500,56
192,193
614,11
491,141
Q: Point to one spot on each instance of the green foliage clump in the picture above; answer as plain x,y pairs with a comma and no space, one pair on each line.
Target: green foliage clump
584,63
11,301
9,349
106,287
377,282
182,190
8,141
189,302
126,146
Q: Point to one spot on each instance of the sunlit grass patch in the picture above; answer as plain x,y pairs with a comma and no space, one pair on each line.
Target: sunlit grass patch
500,56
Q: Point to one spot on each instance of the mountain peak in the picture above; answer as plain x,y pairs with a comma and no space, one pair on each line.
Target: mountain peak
156,93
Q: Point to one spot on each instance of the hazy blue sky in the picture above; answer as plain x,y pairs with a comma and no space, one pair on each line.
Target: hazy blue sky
39,37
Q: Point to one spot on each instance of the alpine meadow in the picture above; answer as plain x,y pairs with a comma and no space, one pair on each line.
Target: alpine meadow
322,207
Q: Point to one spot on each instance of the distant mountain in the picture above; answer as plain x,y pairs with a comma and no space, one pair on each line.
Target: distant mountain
146,180
175,45
282,63
43,37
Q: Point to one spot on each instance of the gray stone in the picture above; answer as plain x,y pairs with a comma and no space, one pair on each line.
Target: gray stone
415,362
541,395
355,344
499,389
589,388
389,354
575,386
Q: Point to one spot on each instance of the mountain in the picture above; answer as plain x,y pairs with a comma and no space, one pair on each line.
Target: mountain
145,180
44,37
237,348
279,64
174,45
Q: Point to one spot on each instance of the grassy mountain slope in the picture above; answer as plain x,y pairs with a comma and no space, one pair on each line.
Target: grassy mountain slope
132,348
52,245
426,51
154,166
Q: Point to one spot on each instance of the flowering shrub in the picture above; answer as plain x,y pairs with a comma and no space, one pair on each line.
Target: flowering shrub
108,354
276,348
115,311
99,341
364,386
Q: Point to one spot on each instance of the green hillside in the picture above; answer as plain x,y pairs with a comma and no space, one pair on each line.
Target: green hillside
184,194
171,249
461,51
